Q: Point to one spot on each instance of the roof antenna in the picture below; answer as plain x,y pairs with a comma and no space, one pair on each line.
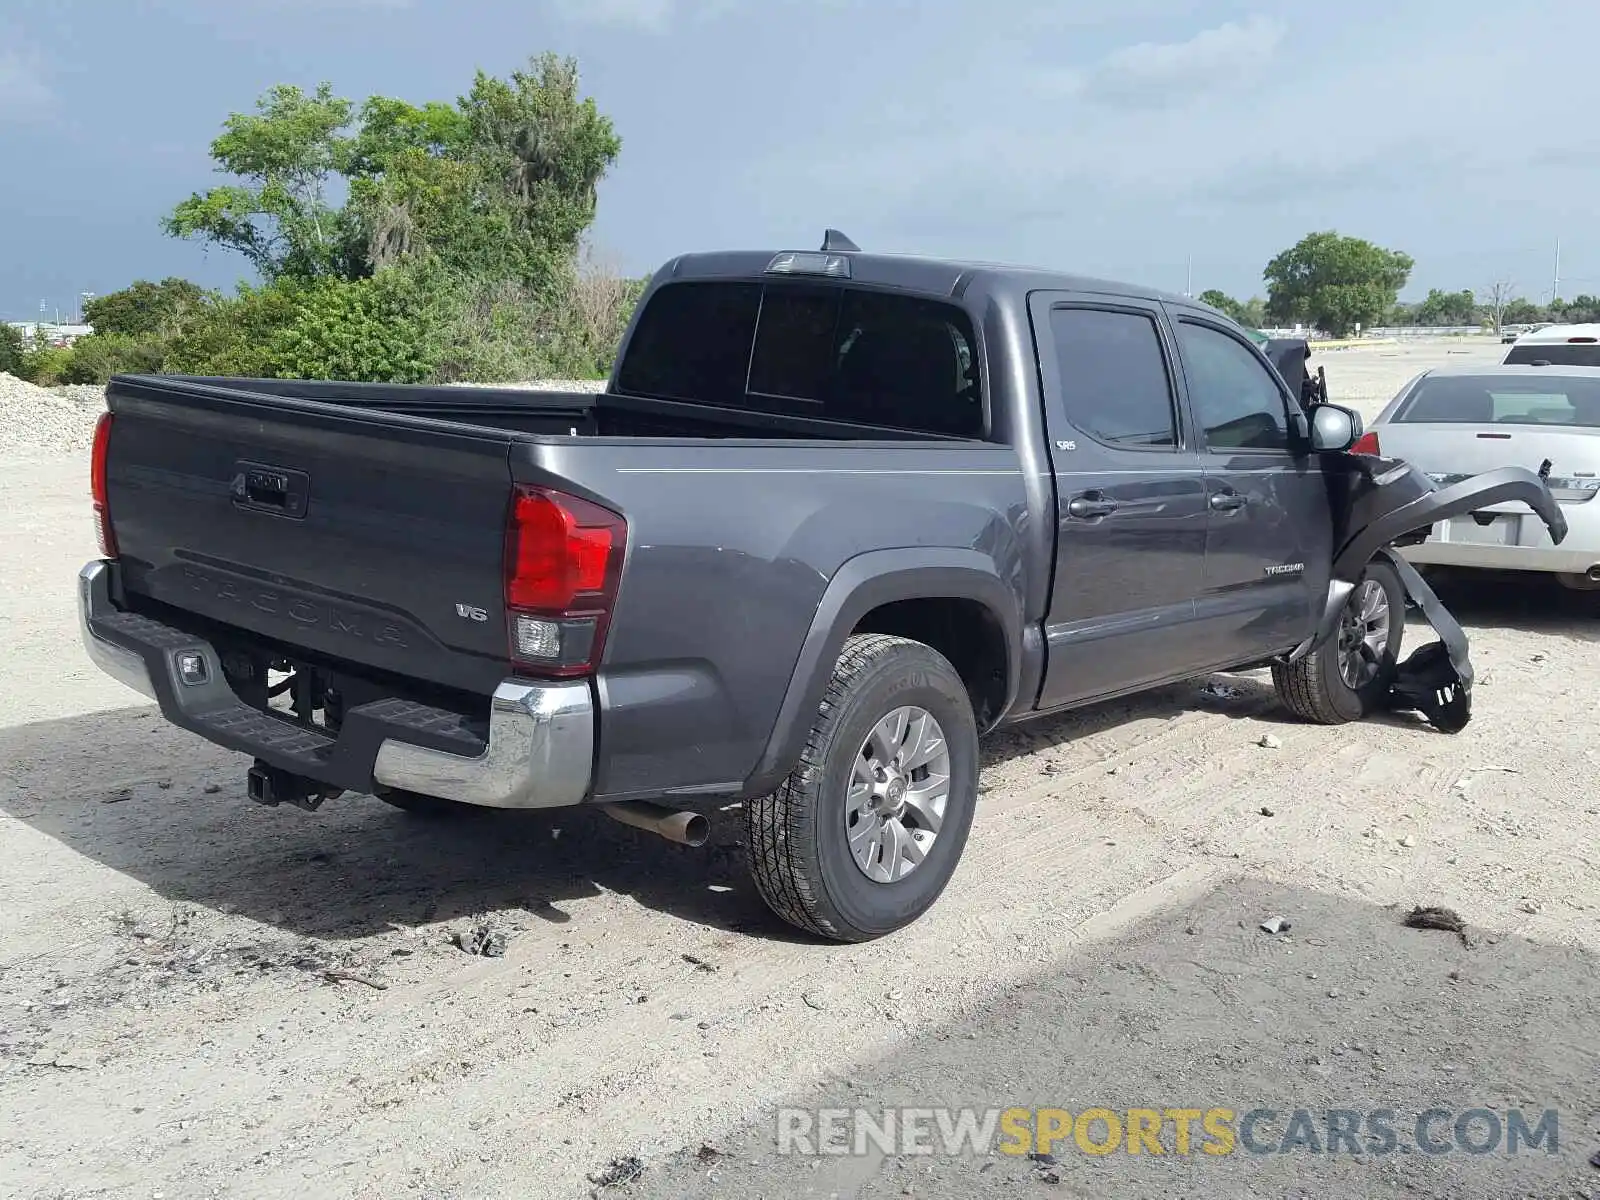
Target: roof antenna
833,240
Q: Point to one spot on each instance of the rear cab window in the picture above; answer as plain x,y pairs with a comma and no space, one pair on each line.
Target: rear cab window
1557,354
1502,400
836,352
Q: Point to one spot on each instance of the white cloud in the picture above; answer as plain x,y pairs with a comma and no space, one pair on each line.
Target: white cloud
651,16
659,16
23,89
1153,74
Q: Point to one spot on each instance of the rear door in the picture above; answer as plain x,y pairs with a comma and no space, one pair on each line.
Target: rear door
1131,513
1269,537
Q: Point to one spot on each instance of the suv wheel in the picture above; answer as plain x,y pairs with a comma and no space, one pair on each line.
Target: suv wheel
1349,676
866,831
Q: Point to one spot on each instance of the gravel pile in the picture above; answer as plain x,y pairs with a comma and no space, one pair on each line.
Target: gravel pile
38,421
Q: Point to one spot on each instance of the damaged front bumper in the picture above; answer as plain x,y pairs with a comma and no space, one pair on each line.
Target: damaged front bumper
1384,502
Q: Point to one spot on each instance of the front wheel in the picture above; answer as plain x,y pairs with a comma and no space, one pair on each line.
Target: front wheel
866,831
1349,676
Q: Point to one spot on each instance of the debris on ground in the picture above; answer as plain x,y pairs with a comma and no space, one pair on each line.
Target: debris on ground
1267,811
699,964
1276,925
1447,920
1046,1167
1408,841
619,1172
337,975
709,1153
812,1000
1270,741
1220,691
482,939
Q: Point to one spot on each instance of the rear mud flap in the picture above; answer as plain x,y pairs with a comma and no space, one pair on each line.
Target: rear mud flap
1436,679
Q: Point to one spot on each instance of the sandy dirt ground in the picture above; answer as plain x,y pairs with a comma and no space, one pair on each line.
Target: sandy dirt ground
202,997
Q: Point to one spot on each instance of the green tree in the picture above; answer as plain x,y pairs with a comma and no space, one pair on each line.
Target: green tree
1335,282
1223,303
143,308
279,217
1580,310
1448,308
11,349
1522,312
501,184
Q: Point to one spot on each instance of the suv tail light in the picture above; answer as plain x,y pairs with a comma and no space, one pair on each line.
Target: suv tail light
97,486
1367,443
563,560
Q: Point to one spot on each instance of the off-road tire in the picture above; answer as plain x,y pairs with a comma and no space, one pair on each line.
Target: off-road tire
417,805
795,838
1314,690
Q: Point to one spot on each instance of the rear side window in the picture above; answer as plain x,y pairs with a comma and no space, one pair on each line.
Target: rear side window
1557,354
1236,398
844,354
1114,380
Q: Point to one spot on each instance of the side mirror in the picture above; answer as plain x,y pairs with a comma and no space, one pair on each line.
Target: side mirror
1334,429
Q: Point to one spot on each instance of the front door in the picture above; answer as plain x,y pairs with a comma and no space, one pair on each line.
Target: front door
1130,495
1269,541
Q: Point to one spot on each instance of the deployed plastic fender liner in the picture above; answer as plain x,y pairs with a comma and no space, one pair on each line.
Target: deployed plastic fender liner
1435,679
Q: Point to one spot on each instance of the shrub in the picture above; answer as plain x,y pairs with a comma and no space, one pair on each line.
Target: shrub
378,330
45,365
95,359
232,335
11,349
144,308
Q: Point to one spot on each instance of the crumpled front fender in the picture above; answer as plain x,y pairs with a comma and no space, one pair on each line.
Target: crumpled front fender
1388,499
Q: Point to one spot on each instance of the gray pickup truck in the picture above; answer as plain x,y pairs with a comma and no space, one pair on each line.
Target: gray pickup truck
835,516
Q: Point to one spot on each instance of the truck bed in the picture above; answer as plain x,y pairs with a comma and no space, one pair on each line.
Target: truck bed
362,529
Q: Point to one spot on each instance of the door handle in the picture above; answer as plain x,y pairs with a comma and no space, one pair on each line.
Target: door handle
1226,501
1091,505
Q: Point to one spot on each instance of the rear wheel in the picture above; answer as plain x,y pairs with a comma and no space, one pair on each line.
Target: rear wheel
866,831
1349,676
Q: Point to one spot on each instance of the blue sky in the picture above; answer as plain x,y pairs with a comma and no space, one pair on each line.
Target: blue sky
1120,138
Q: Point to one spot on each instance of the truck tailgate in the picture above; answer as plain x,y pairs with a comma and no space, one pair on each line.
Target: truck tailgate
357,534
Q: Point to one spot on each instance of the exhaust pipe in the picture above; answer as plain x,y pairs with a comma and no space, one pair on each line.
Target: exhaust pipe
1593,574
685,828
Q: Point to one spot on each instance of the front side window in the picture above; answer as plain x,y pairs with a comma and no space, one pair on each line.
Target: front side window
840,353
1236,399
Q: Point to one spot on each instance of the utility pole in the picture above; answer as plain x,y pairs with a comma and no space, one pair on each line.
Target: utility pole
1188,279
1555,283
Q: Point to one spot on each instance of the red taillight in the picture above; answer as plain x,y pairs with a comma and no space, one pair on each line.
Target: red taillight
563,559
97,486
1367,443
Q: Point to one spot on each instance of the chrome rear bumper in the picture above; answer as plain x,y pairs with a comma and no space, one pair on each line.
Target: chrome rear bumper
539,752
